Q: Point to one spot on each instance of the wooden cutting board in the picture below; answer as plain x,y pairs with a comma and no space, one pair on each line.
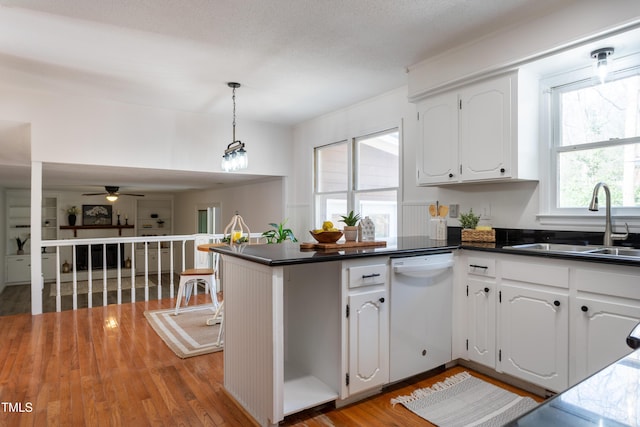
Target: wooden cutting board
341,245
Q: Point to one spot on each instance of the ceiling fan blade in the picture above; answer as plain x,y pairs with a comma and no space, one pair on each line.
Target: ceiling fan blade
94,194
132,194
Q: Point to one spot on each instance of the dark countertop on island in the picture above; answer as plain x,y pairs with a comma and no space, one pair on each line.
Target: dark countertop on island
289,253
610,397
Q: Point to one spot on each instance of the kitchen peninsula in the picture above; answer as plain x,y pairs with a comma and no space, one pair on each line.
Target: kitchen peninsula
287,336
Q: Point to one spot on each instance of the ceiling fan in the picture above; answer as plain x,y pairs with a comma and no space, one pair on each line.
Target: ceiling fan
112,193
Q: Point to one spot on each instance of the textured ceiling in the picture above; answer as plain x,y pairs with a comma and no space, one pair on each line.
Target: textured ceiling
295,59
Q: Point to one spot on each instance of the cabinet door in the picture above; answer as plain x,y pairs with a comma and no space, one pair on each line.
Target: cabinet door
368,341
437,157
534,335
481,327
601,329
19,269
486,130
49,267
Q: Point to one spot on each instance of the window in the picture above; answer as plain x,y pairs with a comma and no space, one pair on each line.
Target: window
362,175
596,137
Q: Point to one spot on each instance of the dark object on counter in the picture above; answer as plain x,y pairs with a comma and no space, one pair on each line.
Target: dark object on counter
633,340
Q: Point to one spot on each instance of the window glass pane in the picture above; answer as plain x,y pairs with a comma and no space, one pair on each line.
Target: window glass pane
381,207
600,112
579,171
332,168
330,207
378,163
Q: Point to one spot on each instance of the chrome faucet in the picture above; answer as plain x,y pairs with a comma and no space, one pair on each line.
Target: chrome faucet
609,236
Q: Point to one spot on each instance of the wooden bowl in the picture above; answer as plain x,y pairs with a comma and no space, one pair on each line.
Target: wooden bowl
327,236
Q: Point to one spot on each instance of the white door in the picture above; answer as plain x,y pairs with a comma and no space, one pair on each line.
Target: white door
437,157
534,336
368,340
601,329
481,327
485,130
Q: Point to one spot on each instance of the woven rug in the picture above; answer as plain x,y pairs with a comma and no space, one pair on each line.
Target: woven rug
187,334
464,400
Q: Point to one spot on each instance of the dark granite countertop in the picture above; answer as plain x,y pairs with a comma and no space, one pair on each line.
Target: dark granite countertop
610,397
290,253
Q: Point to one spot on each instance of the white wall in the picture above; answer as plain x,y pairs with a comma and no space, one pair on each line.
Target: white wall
77,130
258,203
507,205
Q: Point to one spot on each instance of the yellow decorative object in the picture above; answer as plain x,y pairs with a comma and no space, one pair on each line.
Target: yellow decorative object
327,226
237,230
483,227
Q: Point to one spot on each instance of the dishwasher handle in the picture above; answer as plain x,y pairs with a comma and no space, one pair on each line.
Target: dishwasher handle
422,270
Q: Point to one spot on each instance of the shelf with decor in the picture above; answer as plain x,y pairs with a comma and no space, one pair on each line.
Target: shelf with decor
18,220
154,217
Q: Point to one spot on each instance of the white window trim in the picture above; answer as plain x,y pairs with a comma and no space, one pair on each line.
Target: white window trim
549,215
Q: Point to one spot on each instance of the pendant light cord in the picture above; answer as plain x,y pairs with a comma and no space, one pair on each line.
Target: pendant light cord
233,97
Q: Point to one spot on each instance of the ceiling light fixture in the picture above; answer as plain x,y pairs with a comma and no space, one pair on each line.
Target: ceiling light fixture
603,62
235,157
112,197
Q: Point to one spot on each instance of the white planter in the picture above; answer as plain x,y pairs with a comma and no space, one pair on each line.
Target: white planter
350,233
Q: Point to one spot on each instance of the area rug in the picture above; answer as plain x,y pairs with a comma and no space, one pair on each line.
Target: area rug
187,334
66,288
464,400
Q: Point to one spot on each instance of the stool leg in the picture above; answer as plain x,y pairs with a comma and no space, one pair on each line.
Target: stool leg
183,281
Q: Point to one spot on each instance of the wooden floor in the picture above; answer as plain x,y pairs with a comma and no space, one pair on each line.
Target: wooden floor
106,366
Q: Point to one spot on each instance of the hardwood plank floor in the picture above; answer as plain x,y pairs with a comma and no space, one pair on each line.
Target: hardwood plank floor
106,366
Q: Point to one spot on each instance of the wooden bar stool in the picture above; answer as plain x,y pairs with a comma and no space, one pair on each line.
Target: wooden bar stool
190,278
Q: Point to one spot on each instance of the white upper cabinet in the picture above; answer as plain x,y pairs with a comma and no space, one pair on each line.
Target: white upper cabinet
486,131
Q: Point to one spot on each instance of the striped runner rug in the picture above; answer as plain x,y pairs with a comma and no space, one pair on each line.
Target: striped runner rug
464,400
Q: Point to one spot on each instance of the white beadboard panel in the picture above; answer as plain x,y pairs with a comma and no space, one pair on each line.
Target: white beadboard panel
253,341
415,218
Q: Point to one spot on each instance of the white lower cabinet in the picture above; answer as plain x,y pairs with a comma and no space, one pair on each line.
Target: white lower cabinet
481,295
554,322
606,309
49,267
368,343
366,325
19,269
534,335
152,256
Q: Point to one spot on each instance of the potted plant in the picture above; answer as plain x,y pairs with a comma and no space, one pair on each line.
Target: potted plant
71,215
21,244
469,220
350,228
279,234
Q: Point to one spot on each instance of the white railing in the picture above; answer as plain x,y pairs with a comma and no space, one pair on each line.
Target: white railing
166,249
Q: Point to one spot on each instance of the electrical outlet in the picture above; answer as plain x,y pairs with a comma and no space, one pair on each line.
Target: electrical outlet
453,211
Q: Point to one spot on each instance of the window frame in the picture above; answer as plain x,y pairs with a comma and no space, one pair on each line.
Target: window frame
352,192
550,213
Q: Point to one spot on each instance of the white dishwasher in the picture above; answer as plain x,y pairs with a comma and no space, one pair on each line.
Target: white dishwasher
421,311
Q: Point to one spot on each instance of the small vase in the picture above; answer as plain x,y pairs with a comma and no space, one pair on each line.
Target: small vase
20,252
350,233
72,220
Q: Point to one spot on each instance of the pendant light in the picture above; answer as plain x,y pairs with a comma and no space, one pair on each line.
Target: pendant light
603,62
235,157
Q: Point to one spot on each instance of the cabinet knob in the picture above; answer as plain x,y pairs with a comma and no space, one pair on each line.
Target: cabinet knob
584,308
450,175
424,352
486,290
502,170
556,303
381,300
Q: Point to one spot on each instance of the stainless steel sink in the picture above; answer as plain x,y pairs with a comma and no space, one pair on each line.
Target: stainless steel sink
629,252
579,249
555,247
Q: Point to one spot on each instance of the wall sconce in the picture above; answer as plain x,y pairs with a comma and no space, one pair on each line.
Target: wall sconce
603,62
235,157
